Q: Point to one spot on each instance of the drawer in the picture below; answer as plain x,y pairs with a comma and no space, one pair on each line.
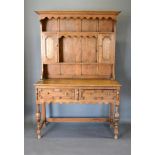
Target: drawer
96,94
56,93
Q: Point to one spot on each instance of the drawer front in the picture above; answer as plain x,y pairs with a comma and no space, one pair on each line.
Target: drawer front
55,93
96,94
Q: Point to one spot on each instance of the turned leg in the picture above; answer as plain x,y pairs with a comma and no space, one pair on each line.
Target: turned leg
116,122
38,118
111,113
44,114
116,116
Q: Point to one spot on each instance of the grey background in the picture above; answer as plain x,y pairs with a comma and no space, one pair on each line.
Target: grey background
33,64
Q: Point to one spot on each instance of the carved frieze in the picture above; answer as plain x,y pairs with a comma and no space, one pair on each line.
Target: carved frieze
54,93
64,95
90,94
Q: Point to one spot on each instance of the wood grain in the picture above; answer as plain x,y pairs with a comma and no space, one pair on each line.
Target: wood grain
78,82
78,120
78,64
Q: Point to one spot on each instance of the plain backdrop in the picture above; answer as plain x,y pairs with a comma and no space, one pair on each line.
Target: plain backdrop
32,56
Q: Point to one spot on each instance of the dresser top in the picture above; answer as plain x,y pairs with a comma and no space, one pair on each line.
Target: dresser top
77,12
78,82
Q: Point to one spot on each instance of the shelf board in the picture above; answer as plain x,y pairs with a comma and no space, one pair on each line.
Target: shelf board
75,33
76,63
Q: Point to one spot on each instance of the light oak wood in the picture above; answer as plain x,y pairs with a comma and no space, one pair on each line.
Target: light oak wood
78,82
78,14
38,119
78,64
89,49
52,25
71,120
89,25
111,114
44,113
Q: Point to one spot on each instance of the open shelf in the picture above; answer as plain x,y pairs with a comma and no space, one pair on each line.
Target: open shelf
77,24
77,70
73,63
78,47
75,34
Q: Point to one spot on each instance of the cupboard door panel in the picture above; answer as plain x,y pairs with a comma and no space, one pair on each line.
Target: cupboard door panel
89,49
50,49
106,48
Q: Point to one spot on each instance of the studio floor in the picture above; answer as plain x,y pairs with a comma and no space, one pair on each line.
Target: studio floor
77,139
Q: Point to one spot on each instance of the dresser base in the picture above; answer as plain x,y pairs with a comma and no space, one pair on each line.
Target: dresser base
77,91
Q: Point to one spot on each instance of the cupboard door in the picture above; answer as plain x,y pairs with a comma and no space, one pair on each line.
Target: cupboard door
106,48
50,48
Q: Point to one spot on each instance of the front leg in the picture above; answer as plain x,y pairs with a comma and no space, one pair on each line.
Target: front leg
116,116
44,114
38,118
116,122
111,114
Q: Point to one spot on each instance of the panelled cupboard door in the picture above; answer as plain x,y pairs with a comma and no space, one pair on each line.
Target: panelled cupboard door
50,48
106,46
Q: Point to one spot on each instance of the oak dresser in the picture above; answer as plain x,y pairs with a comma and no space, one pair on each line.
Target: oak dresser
77,64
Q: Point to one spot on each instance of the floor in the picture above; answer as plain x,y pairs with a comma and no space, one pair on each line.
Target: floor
77,139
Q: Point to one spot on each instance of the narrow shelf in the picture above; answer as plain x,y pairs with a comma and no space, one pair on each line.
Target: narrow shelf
89,34
74,63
